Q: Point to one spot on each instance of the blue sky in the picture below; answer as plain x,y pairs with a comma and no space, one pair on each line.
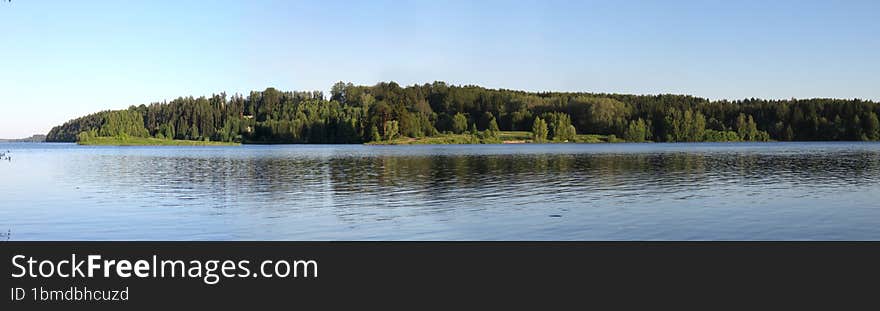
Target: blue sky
62,59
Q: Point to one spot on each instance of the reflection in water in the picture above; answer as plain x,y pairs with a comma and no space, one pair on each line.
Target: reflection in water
629,191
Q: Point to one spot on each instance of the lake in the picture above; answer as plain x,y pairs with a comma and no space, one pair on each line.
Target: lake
653,191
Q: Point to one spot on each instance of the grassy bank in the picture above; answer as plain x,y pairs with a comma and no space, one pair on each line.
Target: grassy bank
142,141
504,137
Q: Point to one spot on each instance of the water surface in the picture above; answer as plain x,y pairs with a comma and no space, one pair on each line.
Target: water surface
706,191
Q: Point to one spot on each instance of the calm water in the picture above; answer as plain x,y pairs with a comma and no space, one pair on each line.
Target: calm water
499,192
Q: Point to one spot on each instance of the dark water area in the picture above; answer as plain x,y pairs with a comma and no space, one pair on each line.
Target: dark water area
698,191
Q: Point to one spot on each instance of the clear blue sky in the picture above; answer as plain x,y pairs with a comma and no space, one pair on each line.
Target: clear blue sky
62,59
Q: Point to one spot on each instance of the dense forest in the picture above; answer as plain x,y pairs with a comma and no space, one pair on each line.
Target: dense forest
358,114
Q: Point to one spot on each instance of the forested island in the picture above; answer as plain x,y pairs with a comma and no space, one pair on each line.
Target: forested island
442,113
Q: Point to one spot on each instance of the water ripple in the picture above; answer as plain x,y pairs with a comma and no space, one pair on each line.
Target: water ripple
606,191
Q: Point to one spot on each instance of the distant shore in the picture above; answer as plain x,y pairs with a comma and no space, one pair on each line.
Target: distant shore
38,138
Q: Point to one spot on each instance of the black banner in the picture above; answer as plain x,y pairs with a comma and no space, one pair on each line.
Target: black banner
415,275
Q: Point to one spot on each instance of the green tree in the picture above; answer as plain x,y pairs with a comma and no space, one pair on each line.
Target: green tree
374,134
483,123
677,125
459,123
560,128
337,92
872,126
636,131
697,126
493,128
563,131
788,135
747,129
742,127
720,136
600,115
753,133
169,131
123,123
86,135
390,130
539,131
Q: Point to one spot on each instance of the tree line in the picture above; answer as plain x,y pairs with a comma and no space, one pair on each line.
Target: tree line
358,114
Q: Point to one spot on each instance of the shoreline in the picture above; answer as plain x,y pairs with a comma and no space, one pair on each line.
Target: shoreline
502,137
141,141
185,143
